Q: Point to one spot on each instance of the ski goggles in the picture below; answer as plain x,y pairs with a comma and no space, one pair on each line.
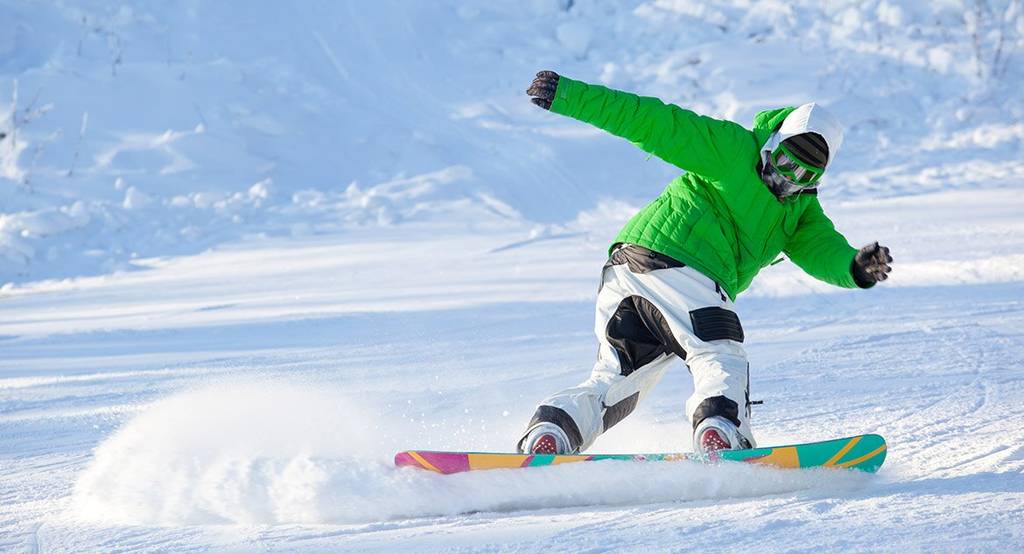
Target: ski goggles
797,172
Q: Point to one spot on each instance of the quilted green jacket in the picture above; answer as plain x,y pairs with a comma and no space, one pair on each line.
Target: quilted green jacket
717,217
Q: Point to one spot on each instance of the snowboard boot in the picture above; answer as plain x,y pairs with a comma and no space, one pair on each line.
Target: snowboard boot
716,433
545,438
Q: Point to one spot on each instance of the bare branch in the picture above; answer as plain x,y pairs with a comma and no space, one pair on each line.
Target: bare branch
78,144
14,116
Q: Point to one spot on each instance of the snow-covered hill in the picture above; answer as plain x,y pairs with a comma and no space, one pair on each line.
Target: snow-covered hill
138,130
253,248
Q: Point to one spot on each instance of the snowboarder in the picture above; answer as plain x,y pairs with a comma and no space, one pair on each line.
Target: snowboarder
675,269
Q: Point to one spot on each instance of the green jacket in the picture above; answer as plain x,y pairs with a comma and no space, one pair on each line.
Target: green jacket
718,217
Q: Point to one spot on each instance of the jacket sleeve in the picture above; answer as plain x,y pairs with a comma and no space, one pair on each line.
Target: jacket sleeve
696,143
820,250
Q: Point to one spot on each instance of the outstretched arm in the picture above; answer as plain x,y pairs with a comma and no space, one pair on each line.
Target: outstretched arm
820,250
703,145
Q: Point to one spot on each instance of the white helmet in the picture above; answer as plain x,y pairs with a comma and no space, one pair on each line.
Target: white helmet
795,156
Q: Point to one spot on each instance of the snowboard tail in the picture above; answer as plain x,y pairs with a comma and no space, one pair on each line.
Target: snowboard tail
863,452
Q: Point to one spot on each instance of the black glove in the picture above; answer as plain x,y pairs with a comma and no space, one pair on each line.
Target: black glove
543,89
871,265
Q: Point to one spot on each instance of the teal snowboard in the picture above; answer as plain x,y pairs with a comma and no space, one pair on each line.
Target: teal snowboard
863,452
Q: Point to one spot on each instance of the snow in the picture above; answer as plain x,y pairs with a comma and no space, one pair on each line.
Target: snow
281,453
249,252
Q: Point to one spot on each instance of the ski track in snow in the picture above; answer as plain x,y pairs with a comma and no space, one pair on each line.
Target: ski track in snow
257,268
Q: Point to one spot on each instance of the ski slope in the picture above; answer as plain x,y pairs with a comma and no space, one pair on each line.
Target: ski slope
257,268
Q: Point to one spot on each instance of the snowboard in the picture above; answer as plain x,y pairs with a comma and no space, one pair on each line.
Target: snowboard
863,452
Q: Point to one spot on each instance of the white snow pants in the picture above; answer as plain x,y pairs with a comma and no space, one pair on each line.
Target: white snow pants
651,309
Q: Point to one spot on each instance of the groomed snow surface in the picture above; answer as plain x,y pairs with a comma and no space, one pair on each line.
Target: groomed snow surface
248,251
